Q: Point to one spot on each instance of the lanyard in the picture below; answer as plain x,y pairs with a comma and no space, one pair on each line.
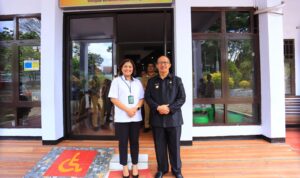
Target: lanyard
129,86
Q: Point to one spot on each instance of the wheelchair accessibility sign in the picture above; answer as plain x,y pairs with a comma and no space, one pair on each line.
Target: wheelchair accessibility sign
72,163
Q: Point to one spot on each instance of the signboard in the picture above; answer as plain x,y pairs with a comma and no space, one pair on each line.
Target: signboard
93,3
31,65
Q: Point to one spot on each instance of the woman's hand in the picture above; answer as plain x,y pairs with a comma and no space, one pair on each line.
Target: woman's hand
131,111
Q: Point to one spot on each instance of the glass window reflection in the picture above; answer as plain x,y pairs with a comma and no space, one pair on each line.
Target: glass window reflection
29,28
237,22
6,30
206,22
242,113
6,84
29,116
207,69
29,73
241,68
91,75
208,114
7,117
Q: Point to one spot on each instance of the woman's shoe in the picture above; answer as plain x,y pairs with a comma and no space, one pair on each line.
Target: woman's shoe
126,170
135,176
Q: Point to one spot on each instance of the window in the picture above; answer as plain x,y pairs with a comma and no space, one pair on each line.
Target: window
289,66
29,28
6,29
20,72
225,67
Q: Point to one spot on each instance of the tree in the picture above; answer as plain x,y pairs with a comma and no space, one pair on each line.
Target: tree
29,28
6,34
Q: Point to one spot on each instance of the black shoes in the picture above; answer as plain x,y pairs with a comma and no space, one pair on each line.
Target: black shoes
135,176
178,175
159,174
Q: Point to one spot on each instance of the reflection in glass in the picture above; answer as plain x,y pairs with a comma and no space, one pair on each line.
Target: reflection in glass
6,30
29,73
289,63
242,113
206,22
240,68
208,113
207,69
7,117
29,28
91,75
6,87
287,77
29,116
237,22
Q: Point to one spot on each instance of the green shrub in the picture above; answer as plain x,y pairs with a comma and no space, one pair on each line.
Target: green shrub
216,78
231,82
244,84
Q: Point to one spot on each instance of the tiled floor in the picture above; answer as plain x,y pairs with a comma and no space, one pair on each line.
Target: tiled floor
293,138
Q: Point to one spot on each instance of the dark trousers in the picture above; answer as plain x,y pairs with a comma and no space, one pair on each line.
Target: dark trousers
167,140
124,132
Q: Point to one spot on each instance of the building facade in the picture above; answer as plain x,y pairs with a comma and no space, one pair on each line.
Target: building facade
229,55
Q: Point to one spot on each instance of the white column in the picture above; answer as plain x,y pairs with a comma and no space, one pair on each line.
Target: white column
272,72
183,62
51,71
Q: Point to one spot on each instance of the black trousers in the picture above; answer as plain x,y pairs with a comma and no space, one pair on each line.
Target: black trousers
167,140
124,132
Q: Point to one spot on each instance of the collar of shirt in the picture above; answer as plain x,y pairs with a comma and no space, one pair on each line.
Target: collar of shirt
169,76
123,78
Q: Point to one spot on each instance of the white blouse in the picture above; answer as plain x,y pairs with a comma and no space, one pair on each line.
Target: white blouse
120,89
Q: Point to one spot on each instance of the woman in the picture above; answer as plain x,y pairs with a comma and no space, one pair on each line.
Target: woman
127,95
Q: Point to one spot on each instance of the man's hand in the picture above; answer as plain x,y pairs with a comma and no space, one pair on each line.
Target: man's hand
163,109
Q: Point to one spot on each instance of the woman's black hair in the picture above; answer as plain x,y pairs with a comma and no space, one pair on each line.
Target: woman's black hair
123,62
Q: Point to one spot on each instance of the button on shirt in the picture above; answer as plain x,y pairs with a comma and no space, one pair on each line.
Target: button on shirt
120,89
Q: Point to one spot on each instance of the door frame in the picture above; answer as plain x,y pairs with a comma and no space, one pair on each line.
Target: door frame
67,53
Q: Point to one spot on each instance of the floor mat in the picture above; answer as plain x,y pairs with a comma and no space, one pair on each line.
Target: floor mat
73,162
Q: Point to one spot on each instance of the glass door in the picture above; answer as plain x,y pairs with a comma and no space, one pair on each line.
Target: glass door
89,77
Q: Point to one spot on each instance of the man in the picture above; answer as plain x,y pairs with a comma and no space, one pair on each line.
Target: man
165,95
149,74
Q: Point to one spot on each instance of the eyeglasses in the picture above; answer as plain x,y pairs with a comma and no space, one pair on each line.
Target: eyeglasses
163,63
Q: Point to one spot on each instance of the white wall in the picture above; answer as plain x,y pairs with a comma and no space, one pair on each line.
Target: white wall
183,61
219,131
52,70
272,72
9,7
291,20
21,132
222,3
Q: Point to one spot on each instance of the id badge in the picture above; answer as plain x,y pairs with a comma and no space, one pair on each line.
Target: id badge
130,99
